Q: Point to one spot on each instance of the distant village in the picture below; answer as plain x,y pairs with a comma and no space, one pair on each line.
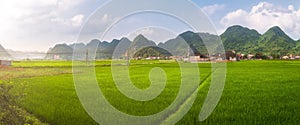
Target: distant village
228,56
231,37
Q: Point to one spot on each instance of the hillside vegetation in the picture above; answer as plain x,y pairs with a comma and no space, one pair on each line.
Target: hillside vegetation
273,42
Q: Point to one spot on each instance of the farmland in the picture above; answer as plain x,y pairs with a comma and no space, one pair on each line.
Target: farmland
256,92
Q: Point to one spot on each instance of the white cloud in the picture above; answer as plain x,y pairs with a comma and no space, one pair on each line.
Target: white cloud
77,20
265,15
146,31
291,7
26,23
67,4
156,34
105,18
97,24
211,9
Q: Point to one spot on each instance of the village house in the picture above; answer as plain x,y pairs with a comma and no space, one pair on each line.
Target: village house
194,59
285,57
231,55
153,58
5,62
250,56
217,57
297,57
176,57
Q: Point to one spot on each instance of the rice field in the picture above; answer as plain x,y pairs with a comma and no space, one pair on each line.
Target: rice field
256,92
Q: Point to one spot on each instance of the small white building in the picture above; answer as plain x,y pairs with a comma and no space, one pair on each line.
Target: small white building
285,57
186,59
250,56
194,59
5,62
297,57
56,57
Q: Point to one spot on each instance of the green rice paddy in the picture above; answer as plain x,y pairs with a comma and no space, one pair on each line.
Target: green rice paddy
256,92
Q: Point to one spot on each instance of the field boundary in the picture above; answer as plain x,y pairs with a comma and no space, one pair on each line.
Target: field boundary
187,100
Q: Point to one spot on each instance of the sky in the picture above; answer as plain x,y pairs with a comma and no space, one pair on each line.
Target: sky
36,25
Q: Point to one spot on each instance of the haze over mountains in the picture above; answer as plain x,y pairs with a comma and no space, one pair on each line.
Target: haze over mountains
8,54
238,38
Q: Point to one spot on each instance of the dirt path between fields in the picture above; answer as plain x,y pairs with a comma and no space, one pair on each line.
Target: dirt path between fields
185,102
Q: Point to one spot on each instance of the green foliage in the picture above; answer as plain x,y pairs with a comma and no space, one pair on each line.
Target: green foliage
179,46
140,42
36,64
10,112
256,92
53,99
273,42
152,51
260,56
239,38
62,50
195,42
106,50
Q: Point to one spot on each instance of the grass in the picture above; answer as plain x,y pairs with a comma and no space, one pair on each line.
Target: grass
42,64
10,112
256,92
53,99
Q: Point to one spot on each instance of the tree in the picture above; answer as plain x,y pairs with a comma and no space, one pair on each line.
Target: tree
260,56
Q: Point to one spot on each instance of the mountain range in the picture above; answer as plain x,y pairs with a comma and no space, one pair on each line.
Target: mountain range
244,40
274,42
241,39
8,54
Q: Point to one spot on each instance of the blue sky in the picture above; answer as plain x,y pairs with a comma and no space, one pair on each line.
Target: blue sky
36,25
233,5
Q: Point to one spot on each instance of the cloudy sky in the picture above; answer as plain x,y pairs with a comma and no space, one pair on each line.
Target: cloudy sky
36,25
